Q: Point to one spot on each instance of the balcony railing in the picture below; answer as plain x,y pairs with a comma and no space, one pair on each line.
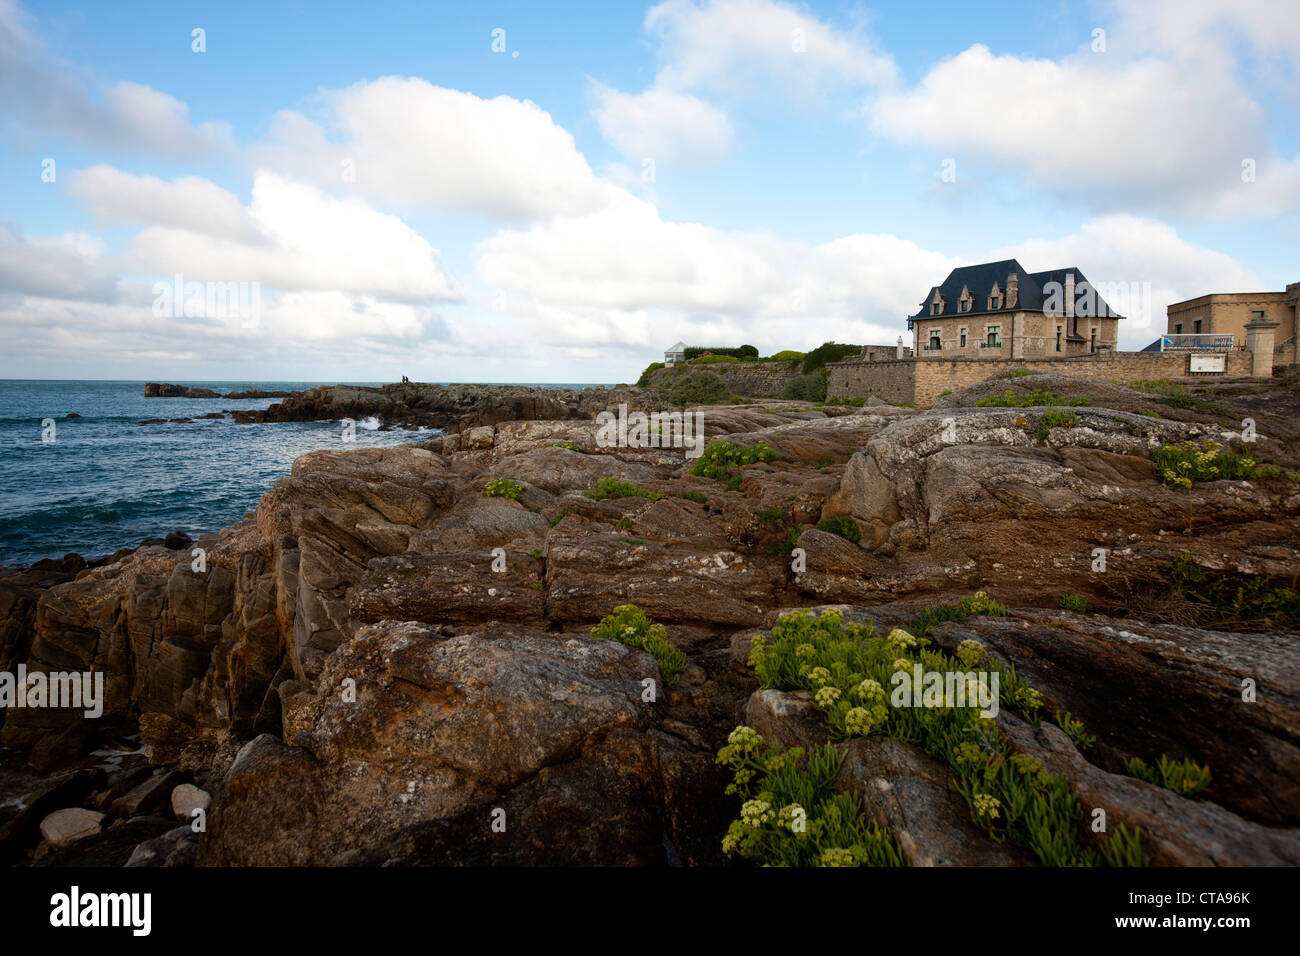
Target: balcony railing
990,345
1213,341
931,348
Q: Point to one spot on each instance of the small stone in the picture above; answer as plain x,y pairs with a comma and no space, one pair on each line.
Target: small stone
65,827
186,799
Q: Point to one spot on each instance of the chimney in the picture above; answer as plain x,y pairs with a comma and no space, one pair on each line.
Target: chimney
1013,290
1069,294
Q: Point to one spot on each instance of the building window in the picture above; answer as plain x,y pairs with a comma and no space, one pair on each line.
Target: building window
934,308
995,303
1058,338
963,336
934,340
1178,329
1198,326
1256,313
993,335
1092,344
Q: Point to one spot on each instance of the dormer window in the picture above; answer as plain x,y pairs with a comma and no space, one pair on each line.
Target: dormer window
995,298
935,307
936,303
966,302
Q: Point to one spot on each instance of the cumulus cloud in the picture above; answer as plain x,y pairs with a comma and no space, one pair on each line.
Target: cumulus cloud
406,141
69,266
291,236
43,98
661,125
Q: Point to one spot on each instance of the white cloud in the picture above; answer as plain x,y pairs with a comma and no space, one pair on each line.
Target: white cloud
1139,255
291,236
413,143
741,47
661,125
69,266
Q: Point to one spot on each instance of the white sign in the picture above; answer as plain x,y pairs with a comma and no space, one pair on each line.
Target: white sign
1207,363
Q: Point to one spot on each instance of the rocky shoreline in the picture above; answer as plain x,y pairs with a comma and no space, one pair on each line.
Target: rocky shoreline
396,644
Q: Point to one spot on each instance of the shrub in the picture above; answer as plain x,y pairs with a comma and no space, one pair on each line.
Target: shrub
1013,399
788,355
785,544
644,380
1184,777
714,360
841,525
629,625
614,488
747,353
771,515
828,352
1020,373
1074,602
1055,419
734,482
806,388
972,606
791,814
721,458
502,488
699,388
696,496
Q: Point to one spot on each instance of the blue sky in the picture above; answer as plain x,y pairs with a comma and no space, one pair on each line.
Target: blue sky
404,199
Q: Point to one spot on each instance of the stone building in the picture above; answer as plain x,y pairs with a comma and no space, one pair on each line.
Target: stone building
1263,322
998,310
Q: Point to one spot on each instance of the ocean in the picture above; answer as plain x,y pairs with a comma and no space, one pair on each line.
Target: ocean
106,482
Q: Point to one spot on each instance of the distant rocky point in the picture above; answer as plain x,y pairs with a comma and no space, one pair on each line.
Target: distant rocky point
164,390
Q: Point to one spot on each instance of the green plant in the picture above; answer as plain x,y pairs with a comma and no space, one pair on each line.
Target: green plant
847,667
622,524
946,391
828,352
571,446
635,542
539,585
734,482
1184,777
785,544
722,458
614,488
714,360
558,518
502,488
1074,730
536,553
629,625
1020,373
976,604
696,496
644,380
699,388
1013,399
841,525
824,461
1180,465
1054,419
787,355
791,815
806,388
1074,602
774,515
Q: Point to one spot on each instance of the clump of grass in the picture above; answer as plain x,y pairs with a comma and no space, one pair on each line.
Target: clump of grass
774,515
824,461
722,458
629,625
791,815
733,483
1020,373
1184,777
571,446
1173,394
614,488
539,585
785,544
1074,729
622,524
536,553
1013,399
696,496
502,488
975,605
1074,602
558,518
841,525
1055,419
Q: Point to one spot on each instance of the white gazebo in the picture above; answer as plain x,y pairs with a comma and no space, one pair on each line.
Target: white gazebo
675,355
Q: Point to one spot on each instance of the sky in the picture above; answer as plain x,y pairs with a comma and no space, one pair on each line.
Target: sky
557,192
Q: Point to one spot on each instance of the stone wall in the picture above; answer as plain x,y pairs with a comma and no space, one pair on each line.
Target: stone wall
753,379
920,382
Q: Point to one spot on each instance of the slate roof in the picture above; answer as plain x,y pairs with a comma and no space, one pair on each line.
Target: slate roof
979,280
